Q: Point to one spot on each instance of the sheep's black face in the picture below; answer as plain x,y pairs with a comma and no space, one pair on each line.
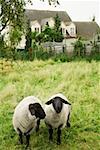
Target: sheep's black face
57,104
37,110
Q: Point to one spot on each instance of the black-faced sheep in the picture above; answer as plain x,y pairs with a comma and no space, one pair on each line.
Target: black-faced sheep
27,116
57,111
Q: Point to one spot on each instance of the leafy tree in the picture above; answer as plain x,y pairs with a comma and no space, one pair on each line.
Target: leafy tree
40,38
1,44
57,23
28,36
79,47
48,33
15,37
93,19
12,12
58,37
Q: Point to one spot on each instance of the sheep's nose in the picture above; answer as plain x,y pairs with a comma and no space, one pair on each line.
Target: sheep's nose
58,111
43,116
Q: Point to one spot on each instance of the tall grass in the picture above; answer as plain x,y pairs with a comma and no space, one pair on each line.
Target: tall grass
78,80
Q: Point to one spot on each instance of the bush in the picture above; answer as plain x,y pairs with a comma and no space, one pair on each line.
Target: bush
62,57
79,47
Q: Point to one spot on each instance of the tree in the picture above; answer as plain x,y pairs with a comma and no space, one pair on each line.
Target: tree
58,37
79,47
50,34
28,36
93,19
15,37
57,23
12,12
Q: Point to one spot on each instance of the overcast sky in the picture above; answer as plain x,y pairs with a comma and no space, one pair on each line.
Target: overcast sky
78,10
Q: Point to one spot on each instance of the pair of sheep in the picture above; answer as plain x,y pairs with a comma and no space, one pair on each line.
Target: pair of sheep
30,111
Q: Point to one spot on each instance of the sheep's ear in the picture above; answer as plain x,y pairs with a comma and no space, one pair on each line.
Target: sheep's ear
31,109
49,102
65,102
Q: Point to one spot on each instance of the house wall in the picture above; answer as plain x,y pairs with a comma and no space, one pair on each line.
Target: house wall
71,29
22,43
63,26
35,24
69,42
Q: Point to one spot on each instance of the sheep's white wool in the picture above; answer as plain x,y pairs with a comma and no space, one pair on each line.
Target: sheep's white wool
59,95
56,119
22,117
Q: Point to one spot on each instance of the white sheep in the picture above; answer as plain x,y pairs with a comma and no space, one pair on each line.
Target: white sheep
27,117
57,111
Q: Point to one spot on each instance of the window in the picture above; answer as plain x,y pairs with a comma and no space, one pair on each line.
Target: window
71,30
63,30
47,23
36,29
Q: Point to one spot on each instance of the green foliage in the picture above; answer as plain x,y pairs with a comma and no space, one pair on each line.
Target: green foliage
12,12
79,81
50,34
79,47
40,38
58,37
95,46
1,45
28,36
15,37
57,23
4,50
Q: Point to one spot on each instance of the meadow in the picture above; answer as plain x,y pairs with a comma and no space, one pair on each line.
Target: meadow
79,81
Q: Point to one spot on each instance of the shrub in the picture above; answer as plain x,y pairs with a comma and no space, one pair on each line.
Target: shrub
79,47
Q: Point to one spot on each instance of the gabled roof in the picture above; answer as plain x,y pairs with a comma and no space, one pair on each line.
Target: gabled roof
87,29
41,14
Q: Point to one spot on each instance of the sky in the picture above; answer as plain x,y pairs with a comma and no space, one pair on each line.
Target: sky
78,10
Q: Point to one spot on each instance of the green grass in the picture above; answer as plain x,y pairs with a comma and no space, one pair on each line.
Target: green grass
78,80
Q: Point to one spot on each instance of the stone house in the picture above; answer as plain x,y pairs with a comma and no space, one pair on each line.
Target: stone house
71,30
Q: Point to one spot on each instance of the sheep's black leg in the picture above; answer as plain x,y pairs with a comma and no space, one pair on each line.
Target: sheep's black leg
20,136
37,127
59,135
58,138
68,123
50,134
27,140
50,130
27,134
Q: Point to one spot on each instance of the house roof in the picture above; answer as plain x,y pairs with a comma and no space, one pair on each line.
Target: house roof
87,29
41,14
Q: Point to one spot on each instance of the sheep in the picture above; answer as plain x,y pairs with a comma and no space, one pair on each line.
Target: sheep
57,110
27,116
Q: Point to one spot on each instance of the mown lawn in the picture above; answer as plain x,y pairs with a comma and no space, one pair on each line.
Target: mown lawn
78,80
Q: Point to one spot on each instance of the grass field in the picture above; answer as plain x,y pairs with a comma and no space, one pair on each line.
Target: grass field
78,80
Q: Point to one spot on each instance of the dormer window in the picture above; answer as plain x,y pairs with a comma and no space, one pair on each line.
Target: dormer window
72,31
37,30
47,23
63,30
